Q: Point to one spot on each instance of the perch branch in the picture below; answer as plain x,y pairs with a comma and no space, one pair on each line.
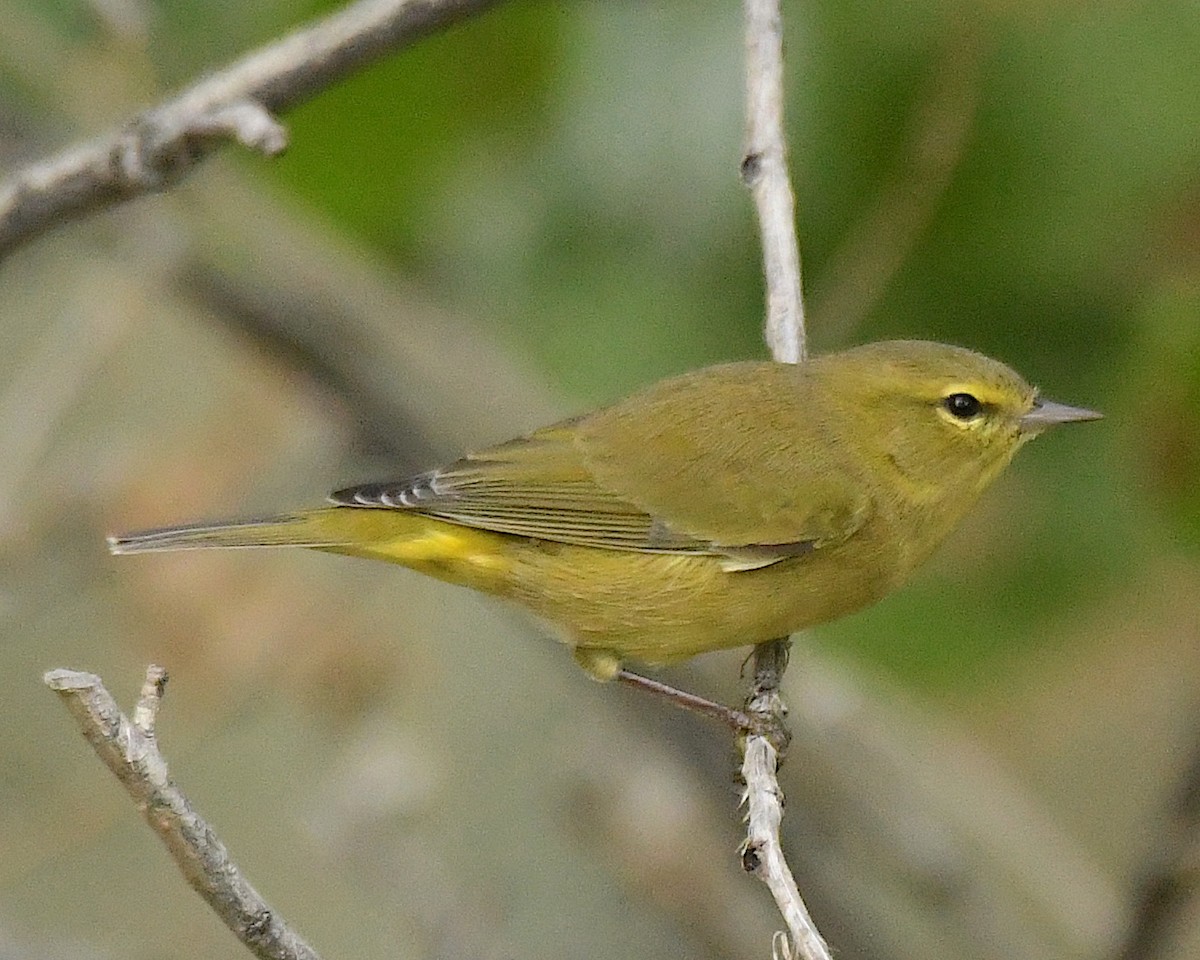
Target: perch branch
762,853
130,750
239,104
764,170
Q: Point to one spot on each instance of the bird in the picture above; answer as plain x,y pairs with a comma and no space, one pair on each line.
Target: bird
728,506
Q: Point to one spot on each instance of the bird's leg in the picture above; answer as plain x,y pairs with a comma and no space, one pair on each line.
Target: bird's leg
740,721
764,705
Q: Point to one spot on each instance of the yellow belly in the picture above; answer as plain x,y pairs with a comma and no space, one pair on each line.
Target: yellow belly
615,605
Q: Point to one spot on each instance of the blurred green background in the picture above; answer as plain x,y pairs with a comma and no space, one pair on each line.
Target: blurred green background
527,215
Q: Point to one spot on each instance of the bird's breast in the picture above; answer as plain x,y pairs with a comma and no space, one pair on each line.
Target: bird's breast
659,608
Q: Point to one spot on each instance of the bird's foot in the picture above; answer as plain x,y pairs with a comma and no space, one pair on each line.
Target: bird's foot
742,722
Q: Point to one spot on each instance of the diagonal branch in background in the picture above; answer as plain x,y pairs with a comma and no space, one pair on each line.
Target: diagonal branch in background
1170,883
881,242
130,750
237,104
324,340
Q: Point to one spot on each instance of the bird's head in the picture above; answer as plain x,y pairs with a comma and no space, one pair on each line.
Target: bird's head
941,419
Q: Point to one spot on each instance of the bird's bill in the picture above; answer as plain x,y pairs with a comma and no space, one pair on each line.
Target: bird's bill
1047,413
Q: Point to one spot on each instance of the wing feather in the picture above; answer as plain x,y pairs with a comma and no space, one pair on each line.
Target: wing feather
657,473
537,486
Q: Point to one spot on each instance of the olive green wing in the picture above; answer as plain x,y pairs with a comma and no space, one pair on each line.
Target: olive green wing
646,476
537,486
744,454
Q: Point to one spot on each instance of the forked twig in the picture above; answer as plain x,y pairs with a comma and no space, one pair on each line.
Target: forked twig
129,749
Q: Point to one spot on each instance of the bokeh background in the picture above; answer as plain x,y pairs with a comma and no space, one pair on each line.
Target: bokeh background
528,215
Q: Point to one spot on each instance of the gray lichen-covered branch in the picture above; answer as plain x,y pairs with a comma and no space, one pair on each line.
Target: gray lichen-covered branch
765,172
129,749
236,104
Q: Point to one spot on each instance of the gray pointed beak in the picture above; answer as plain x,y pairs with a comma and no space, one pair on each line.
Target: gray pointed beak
1047,413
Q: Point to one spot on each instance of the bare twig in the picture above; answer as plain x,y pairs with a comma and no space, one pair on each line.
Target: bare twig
765,172
129,749
238,103
762,853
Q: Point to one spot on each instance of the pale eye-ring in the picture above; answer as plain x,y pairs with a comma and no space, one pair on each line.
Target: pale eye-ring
963,406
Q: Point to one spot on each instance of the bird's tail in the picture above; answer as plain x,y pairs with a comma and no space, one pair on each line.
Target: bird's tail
306,529
458,554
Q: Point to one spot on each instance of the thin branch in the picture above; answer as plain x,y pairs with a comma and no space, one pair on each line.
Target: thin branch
129,749
762,853
238,104
765,172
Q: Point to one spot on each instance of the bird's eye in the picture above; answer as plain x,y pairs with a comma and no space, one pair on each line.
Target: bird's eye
962,406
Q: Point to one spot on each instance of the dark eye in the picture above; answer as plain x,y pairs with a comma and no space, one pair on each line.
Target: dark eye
963,406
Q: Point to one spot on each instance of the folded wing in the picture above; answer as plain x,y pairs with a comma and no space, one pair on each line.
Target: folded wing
657,473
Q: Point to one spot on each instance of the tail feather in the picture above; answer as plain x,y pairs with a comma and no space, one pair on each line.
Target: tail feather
448,551
288,530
